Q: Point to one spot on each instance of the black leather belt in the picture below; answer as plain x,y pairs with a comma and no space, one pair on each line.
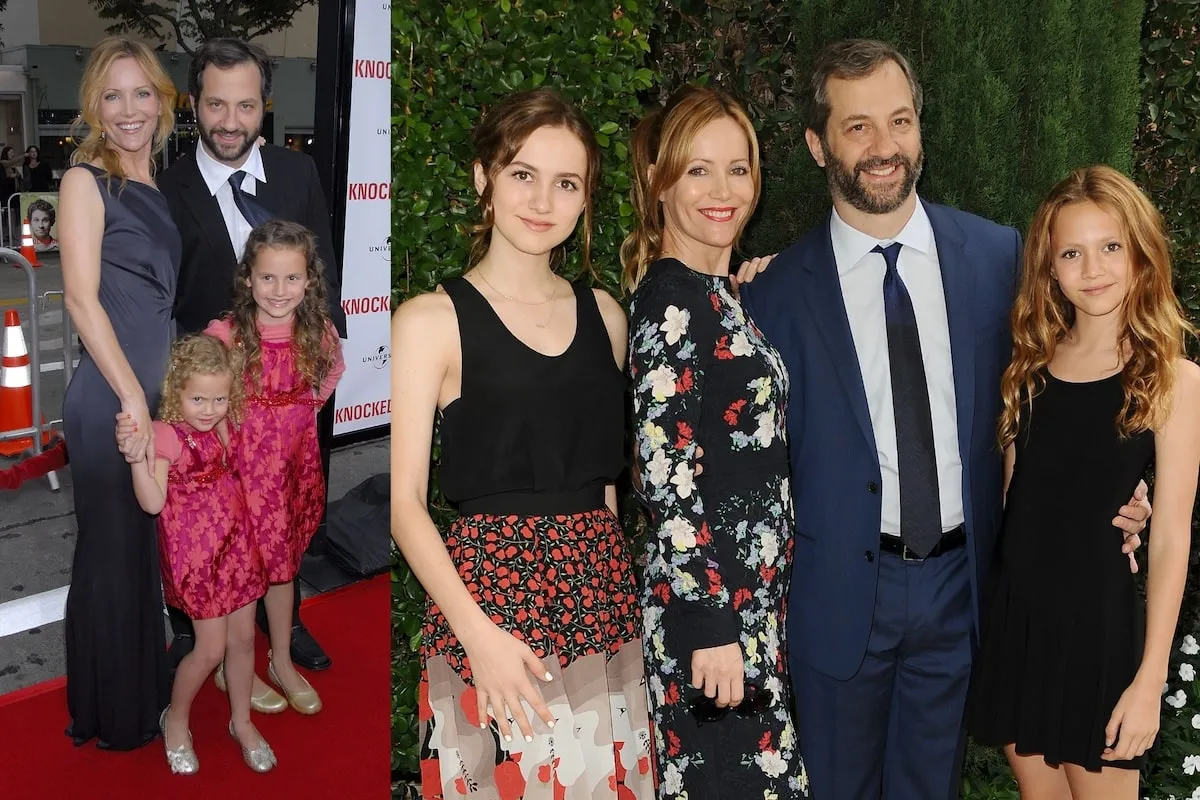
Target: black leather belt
951,540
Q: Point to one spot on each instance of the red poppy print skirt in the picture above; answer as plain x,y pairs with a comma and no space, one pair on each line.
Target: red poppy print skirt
564,585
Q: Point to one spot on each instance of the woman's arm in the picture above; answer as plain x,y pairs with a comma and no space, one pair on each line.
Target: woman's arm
1134,722
618,333
80,235
424,347
672,334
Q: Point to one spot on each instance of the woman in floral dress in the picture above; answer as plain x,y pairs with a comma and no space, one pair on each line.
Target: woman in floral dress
719,554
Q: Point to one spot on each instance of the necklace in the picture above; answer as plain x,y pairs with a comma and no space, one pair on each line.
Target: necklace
553,296
553,293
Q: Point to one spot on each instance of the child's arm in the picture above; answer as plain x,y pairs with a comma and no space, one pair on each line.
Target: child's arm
221,329
1135,719
336,369
151,490
1010,461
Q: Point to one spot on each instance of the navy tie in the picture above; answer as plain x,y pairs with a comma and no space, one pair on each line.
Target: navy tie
246,203
920,504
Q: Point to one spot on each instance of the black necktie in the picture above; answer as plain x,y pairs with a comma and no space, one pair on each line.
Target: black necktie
920,505
254,213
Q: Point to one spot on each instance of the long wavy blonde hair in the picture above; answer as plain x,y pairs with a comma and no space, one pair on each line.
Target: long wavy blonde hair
664,139
87,129
1153,323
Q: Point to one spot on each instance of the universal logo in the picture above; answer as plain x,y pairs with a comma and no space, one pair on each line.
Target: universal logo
384,250
379,359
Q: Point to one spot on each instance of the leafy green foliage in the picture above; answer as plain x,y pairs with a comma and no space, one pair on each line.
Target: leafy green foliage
199,20
1016,94
1165,165
452,62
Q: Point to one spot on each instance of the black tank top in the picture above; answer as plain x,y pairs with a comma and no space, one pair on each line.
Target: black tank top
531,434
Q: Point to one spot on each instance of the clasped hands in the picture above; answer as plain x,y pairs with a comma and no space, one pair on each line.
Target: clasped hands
135,434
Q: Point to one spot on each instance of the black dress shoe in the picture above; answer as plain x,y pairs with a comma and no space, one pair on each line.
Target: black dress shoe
306,652
181,645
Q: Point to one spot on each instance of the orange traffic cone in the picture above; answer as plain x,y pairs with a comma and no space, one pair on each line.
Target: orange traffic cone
16,388
27,250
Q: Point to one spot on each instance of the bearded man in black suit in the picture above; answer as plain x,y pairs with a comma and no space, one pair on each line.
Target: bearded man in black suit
217,195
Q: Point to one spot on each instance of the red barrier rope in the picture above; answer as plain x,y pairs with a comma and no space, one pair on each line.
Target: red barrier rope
51,459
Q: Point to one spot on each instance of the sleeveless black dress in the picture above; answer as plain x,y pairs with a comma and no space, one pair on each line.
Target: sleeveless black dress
115,641
1063,624
527,450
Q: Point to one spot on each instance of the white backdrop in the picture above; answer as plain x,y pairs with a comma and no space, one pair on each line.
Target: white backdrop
363,398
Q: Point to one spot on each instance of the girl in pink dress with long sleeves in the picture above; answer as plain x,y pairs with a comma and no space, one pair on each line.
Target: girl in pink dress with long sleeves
211,566
293,360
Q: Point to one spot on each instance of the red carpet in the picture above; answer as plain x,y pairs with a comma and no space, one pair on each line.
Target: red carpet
342,752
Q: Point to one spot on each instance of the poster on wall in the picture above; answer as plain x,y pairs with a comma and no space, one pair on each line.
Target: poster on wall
41,209
363,398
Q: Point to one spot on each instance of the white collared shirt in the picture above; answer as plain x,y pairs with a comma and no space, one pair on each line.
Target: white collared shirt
861,274
216,178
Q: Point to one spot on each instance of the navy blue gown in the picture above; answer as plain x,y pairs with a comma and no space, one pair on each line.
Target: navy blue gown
117,672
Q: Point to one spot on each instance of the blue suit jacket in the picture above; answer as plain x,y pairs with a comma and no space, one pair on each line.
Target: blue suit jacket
836,479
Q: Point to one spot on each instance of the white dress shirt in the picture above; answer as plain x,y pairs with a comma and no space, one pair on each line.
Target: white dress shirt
216,177
861,274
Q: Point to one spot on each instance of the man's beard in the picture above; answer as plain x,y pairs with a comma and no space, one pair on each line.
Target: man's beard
224,152
844,183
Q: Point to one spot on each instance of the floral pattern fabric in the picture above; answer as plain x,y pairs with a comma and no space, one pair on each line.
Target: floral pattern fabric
564,585
210,565
279,457
720,549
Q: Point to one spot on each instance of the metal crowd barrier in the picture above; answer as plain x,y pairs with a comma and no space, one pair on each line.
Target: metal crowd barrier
39,427
10,236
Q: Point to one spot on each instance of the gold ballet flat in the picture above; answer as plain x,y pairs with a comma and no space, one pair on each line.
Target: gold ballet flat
182,759
261,758
305,701
268,702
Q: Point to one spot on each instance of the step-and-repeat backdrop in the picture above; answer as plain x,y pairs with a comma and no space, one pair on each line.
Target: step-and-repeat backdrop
363,395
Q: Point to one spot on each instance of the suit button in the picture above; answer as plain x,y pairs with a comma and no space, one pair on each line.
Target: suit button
873,487
870,556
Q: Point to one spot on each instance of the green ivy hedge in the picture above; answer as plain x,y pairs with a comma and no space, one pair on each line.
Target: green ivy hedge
451,63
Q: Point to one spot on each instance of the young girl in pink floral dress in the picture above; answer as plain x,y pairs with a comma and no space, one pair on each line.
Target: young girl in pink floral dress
211,567
292,362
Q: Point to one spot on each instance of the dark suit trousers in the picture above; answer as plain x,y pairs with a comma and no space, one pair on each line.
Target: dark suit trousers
895,728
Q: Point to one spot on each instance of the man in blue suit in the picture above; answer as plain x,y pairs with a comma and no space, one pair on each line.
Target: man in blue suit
892,317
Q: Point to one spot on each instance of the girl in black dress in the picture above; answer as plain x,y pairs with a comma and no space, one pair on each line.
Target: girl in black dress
720,550
1070,677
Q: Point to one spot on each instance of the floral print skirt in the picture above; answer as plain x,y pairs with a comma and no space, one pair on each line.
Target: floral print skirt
755,757
563,585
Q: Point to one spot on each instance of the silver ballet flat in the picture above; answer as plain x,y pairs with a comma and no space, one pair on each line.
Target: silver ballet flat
260,759
182,759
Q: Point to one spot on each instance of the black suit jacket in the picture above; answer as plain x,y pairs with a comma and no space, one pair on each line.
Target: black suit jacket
292,192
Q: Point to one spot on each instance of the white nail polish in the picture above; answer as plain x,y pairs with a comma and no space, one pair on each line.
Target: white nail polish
507,738
529,738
